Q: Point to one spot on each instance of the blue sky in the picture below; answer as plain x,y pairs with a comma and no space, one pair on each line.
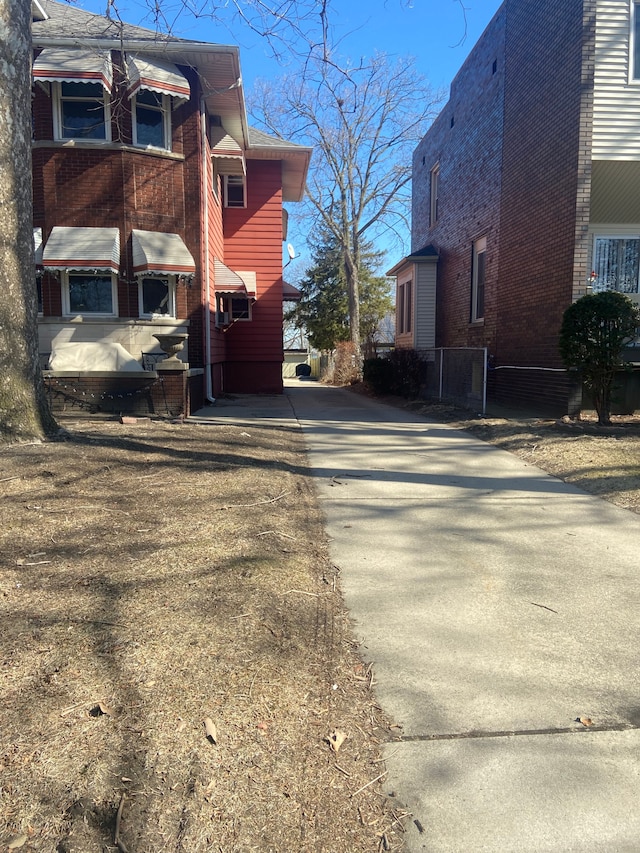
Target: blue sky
433,31
438,33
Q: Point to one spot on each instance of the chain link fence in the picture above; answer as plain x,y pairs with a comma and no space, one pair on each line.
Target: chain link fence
456,375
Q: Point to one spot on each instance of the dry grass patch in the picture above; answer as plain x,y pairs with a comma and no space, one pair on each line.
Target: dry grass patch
153,576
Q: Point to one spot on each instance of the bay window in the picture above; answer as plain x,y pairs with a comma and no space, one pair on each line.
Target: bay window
152,120
82,111
157,297
89,293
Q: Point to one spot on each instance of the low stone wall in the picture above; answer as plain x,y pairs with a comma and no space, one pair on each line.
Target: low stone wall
162,393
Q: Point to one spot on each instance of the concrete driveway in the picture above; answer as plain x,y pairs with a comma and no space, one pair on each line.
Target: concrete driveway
498,605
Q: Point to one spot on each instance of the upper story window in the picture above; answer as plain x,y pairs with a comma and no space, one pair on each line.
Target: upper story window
157,297
81,111
88,293
235,194
616,264
152,120
434,191
478,279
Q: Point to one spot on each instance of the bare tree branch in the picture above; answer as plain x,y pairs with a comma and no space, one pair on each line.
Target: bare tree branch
363,122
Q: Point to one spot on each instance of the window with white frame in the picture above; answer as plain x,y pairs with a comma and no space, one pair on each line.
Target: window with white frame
152,120
81,111
616,264
157,296
235,194
434,191
234,307
89,293
478,275
405,307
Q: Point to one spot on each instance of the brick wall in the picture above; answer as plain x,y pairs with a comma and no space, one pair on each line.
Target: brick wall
543,111
465,141
169,394
546,190
85,185
514,148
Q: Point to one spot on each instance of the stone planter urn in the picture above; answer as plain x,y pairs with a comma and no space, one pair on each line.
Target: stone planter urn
171,343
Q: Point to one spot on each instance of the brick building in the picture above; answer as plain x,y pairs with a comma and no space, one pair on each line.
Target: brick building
157,211
526,190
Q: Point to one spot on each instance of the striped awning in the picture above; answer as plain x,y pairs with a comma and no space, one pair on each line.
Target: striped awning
160,253
37,245
156,75
82,249
227,153
71,65
228,281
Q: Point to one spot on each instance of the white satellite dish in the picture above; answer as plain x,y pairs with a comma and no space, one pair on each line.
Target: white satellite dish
291,251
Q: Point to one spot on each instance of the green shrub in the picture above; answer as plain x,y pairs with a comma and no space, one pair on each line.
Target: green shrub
402,372
594,332
378,374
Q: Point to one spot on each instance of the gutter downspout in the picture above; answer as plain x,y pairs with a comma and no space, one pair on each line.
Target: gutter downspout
206,278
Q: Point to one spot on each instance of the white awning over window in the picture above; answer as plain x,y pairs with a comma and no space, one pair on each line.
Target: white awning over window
37,245
82,249
159,253
249,279
228,281
70,65
227,153
156,75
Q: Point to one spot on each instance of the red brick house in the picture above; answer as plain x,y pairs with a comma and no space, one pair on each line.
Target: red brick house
526,190
157,210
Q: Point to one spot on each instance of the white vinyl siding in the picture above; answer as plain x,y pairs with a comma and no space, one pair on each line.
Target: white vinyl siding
404,308
425,305
616,109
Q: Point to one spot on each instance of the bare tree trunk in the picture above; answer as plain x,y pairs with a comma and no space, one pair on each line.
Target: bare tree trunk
24,410
351,270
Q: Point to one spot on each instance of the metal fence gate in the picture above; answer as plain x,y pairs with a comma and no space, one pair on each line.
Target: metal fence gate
457,375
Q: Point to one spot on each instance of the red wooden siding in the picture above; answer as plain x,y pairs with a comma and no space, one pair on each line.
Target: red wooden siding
253,241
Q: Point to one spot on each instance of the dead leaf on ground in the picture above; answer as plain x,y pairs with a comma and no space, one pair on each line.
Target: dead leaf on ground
586,721
336,739
100,709
210,730
17,842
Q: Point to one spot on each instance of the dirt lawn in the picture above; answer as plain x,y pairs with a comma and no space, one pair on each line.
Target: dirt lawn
153,577
156,576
